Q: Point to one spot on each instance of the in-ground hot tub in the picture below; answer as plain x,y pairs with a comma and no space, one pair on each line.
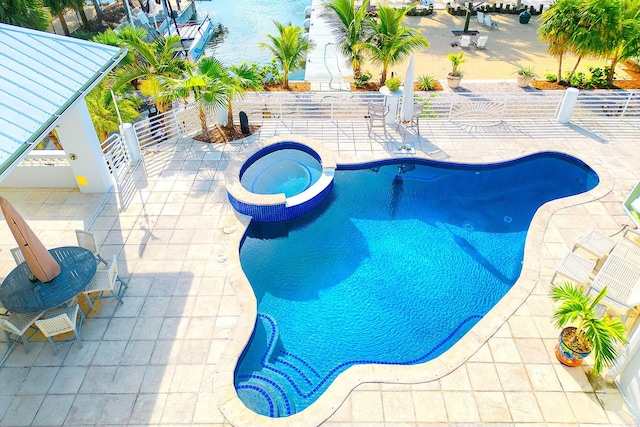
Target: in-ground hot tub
286,177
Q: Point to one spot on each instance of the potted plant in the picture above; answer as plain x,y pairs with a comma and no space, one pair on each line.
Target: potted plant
454,77
592,335
393,84
524,76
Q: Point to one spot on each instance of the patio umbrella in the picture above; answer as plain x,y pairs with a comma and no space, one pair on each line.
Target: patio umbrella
39,260
406,113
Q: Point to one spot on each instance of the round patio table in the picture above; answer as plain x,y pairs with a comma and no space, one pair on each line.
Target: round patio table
20,295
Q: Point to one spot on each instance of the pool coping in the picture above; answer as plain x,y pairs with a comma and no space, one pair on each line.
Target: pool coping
238,414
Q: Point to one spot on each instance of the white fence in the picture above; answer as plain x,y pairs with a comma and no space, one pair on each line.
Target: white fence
472,107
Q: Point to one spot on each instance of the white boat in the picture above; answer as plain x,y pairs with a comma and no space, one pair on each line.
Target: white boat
194,34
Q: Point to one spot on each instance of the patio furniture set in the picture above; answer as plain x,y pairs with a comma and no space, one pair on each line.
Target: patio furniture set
28,306
610,263
377,117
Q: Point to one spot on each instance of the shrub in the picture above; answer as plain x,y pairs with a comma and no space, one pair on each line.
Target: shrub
362,80
551,77
426,82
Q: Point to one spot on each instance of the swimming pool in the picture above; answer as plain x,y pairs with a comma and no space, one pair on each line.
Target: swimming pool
394,272
248,22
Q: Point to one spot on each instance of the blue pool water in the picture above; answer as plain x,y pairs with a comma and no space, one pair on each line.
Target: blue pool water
288,171
395,267
248,22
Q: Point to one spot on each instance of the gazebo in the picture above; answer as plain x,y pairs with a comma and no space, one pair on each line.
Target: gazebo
43,81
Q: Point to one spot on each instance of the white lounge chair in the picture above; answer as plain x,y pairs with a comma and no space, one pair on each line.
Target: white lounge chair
481,43
464,41
480,18
489,23
575,268
620,274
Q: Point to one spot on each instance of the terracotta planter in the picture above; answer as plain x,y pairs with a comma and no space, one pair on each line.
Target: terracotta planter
522,80
567,356
453,81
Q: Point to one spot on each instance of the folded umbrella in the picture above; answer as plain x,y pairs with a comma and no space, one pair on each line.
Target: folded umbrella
39,260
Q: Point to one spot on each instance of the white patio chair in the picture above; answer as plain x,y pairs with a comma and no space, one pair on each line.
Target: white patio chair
103,282
414,123
18,256
481,43
15,327
60,321
87,240
377,114
464,41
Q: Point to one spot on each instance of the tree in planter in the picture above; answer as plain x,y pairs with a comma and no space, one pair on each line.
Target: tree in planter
457,59
289,48
351,27
203,84
391,42
593,334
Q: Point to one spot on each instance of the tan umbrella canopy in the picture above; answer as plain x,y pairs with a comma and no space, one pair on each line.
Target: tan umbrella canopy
39,260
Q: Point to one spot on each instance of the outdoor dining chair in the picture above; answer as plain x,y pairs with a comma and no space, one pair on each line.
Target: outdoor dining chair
87,240
18,256
60,321
104,282
377,114
15,327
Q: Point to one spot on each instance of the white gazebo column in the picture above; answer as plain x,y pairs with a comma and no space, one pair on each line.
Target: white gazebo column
80,141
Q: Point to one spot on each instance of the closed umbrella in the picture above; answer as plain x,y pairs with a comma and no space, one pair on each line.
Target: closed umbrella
406,113
39,260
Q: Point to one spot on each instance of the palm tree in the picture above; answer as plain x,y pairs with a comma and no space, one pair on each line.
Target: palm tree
351,28
237,79
557,26
623,27
78,6
203,84
289,48
103,110
391,42
58,8
99,11
25,13
153,59
601,333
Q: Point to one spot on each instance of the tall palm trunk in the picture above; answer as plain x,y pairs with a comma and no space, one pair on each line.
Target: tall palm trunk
560,67
99,11
83,17
614,62
63,23
383,77
203,123
229,115
575,67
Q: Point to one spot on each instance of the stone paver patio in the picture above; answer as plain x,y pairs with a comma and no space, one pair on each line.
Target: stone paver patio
154,360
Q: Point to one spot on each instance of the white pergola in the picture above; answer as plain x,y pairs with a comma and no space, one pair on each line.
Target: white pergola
44,78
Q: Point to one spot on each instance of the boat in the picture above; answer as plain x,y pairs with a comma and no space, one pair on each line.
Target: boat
194,33
631,205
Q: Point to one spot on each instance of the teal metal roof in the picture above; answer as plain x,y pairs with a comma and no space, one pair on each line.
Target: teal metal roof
42,75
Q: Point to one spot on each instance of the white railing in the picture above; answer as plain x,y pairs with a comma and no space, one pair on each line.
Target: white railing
42,168
175,123
117,157
470,107
607,104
